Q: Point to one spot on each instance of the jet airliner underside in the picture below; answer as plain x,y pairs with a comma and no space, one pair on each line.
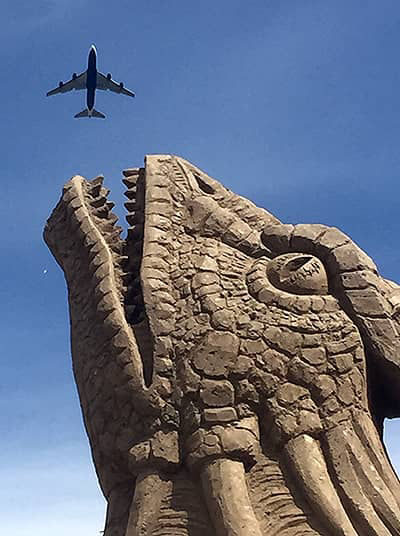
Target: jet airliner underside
91,79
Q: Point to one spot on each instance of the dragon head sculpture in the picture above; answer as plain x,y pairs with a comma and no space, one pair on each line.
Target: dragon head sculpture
234,372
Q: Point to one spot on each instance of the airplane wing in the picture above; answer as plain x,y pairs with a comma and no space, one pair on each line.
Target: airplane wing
76,82
106,83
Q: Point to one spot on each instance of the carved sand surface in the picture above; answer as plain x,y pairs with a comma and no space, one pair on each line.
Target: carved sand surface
233,372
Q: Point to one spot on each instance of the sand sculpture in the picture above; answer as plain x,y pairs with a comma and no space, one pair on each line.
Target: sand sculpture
234,372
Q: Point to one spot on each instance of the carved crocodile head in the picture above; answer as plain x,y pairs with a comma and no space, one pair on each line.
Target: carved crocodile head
211,318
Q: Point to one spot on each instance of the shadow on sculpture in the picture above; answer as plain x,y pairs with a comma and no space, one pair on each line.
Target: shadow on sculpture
234,372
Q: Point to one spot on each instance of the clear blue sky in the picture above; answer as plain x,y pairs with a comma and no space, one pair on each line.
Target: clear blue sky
294,104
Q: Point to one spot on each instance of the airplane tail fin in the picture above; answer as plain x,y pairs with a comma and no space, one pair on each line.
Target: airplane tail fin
91,113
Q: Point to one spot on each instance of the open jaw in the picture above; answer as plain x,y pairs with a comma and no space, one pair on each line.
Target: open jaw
87,243
130,303
134,180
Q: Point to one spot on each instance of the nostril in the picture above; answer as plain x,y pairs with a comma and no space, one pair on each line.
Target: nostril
203,185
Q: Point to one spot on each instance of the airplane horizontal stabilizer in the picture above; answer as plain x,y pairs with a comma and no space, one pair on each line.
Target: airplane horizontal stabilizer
83,113
95,113
91,113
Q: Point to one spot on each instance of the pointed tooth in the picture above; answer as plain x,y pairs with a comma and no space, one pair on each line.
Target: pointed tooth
95,185
115,235
131,193
102,212
130,182
131,206
107,226
95,191
98,202
130,172
116,247
130,218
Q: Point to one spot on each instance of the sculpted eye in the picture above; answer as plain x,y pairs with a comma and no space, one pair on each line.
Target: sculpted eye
298,273
203,185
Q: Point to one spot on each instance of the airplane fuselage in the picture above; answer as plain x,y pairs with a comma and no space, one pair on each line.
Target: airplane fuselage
91,78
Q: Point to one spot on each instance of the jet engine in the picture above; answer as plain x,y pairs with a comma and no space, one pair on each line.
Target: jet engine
109,76
121,85
74,75
60,84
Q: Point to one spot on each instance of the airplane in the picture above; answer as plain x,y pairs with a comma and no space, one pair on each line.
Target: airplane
91,79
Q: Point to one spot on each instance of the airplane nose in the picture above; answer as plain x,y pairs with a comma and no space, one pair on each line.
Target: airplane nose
93,48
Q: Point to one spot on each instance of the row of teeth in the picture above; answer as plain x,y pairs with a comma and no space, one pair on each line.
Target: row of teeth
131,252
133,180
102,208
